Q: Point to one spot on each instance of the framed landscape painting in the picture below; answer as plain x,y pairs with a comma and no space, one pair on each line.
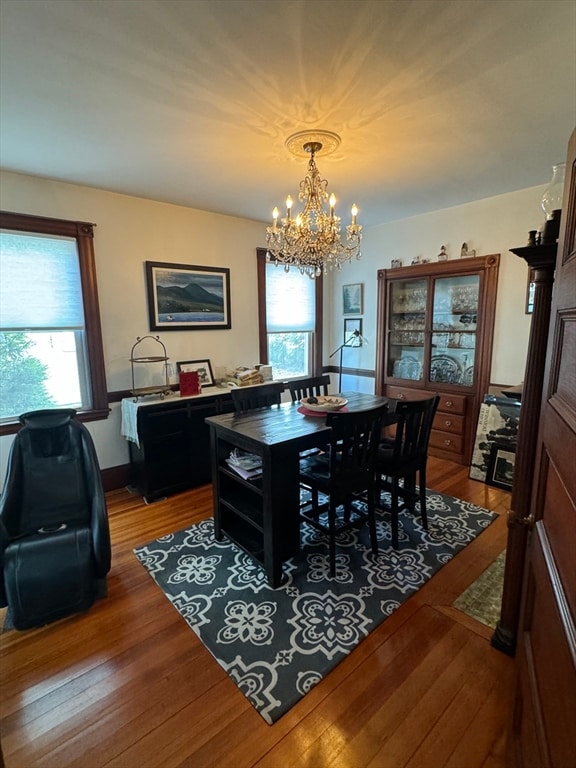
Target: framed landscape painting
184,297
353,298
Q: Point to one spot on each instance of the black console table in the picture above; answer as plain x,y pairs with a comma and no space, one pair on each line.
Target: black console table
169,440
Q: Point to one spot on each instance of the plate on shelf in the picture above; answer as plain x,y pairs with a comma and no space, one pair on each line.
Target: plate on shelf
407,368
323,403
445,369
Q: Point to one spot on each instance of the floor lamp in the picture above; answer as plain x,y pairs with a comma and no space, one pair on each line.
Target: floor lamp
355,340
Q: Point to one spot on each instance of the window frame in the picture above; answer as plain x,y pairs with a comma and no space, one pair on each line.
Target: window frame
262,323
83,233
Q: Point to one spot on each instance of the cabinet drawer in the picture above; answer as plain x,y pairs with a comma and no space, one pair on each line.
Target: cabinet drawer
446,441
405,393
447,422
452,404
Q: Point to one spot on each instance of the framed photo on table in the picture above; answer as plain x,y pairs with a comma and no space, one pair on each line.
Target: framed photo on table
353,298
202,367
183,297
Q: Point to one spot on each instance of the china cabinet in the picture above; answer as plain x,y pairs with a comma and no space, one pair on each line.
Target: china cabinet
434,336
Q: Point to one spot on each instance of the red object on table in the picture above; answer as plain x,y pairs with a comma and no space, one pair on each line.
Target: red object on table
190,383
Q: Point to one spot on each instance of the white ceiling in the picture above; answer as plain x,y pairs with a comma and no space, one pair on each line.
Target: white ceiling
437,102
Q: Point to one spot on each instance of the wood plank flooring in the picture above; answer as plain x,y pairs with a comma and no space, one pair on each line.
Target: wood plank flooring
128,684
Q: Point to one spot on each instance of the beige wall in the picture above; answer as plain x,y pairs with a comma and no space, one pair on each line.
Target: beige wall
131,231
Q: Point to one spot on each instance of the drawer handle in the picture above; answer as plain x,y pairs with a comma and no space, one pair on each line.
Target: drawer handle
448,423
402,397
447,442
449,403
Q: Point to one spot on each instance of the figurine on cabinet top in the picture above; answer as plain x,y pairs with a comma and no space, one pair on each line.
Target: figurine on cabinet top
465,253
396,263
443,256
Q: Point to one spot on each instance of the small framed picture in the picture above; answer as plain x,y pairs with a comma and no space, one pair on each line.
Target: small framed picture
353,298
501,466
353,331
201,367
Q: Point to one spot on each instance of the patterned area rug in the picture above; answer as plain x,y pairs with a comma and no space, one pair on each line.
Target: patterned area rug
277,644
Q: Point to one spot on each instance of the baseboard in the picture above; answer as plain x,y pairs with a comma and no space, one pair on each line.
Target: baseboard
116,477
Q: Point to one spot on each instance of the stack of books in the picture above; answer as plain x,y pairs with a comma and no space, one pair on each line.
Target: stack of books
247,465
245,377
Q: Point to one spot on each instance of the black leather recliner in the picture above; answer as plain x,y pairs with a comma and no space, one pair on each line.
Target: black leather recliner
54,535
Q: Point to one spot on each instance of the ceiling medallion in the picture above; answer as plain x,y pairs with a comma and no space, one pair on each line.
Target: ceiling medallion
296,144
311,241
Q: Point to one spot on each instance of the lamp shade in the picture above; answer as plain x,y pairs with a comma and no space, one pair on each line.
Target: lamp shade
552,197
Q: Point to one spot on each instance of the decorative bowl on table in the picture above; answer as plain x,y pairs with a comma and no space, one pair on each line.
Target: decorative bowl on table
323,403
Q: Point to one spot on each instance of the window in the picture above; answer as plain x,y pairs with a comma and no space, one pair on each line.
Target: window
290,314
50,338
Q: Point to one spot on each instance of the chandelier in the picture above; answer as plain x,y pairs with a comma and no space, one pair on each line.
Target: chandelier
311,241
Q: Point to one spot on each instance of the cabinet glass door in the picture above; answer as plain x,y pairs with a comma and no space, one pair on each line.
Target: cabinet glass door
407,325
454,320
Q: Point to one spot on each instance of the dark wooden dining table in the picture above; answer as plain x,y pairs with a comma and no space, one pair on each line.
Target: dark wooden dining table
261,514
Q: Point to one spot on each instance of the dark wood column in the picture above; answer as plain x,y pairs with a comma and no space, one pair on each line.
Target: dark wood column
541,259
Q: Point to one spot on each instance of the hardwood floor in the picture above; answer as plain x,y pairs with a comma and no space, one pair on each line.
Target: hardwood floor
129,685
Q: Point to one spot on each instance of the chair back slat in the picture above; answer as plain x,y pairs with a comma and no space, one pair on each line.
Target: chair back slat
311,386
258,396
414,426
353,445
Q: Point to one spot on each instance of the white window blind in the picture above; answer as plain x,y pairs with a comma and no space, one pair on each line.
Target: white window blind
40,284
290,300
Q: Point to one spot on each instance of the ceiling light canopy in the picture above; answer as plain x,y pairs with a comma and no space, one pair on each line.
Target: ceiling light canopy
311,240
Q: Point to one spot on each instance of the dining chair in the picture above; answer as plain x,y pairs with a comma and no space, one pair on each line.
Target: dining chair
403,457
344,474
258,396
311,386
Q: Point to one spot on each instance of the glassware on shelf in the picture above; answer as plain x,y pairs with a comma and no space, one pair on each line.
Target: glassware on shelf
408,338
407,367
465,299
409,296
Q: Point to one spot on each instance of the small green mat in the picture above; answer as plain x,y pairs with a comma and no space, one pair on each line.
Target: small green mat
483,598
